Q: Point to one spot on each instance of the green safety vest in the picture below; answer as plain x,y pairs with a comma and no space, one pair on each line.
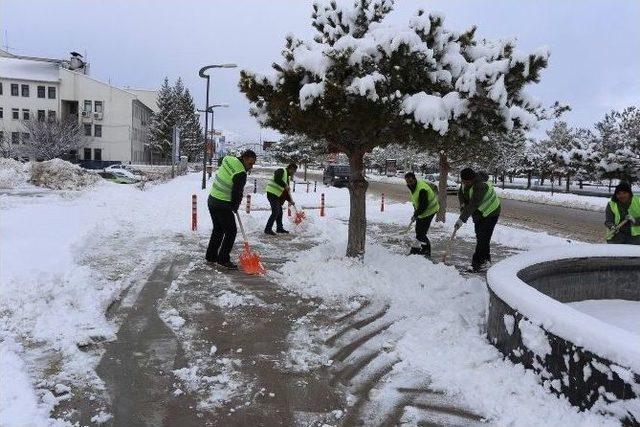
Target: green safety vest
433,206
273,187
489,203
223,182
634,211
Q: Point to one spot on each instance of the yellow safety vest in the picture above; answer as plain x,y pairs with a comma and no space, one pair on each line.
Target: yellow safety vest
273,187
223,181
433,205
634,211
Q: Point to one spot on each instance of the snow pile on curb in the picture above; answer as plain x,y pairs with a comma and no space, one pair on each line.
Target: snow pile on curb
589,203
59,174
13,174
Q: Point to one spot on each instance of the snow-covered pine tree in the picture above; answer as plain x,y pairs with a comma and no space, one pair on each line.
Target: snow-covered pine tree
619,144
560,144
363,83
504,153
299,149
190,129
161,126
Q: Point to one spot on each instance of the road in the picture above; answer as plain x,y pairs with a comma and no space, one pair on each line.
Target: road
572,223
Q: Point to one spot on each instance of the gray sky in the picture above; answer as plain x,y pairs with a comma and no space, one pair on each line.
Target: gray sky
594,65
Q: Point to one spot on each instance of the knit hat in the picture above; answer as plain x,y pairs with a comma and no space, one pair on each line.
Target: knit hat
623,186
467,174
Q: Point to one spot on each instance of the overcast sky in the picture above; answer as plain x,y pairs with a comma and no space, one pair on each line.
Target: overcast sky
594,65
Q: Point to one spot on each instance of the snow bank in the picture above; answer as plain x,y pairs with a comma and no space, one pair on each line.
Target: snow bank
13,174
58,174
590,203
608,341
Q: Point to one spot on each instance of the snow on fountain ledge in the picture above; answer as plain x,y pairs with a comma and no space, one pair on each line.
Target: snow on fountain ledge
603,339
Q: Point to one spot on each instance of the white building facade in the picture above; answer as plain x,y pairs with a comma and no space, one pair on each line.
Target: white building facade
114,121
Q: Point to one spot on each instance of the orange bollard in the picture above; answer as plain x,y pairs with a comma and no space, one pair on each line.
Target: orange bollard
248,203
382,204
322,204
288,209
194,212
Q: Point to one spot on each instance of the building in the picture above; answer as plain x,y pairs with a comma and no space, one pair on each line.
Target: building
115,121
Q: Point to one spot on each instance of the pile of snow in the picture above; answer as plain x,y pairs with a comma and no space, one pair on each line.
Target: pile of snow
590,203
59,174
624,314
13,174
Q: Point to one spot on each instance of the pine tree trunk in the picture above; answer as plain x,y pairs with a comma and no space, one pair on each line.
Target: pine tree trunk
580,184
495,177
560,180
542,179
442,187
305,172
511,179
503,180
568,184
528,180
357,200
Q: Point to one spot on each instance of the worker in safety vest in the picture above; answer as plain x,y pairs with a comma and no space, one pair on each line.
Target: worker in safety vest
478,200
277,193
224,200
425,205
622,216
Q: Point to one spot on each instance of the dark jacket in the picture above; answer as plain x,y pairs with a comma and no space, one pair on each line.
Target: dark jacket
469,206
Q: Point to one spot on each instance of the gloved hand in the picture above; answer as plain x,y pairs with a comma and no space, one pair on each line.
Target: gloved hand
631,219
458,224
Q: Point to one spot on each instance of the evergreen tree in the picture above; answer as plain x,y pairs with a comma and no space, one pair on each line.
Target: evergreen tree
161,126
363,83
190,130
619,144
297,149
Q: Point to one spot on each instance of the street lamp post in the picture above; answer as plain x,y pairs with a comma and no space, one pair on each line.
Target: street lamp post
202,74
212,132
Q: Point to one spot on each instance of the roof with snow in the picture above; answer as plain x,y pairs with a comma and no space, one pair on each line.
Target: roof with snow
26,69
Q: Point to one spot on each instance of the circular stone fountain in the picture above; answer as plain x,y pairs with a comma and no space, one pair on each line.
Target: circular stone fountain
575,354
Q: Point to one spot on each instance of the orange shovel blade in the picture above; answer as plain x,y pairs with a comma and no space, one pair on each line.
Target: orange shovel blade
250,261
300,216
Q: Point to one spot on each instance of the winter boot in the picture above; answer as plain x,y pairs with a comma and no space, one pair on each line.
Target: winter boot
282,231
269,232
228,265
415,251
426,251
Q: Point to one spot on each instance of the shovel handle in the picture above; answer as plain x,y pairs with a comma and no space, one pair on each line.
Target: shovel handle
244,235
449,244
410,224
611,234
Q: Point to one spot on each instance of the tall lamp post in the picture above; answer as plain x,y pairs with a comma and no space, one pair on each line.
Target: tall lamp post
202,74
212,132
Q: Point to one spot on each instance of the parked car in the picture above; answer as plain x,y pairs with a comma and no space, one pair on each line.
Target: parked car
125,170
336,175
452,185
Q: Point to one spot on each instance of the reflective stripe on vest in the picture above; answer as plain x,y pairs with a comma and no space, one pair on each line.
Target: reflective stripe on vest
433,206
634,211
273,187
223,181
490,201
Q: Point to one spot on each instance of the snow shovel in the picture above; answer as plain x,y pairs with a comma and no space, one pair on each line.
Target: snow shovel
299,216
447,251
249,260
611,233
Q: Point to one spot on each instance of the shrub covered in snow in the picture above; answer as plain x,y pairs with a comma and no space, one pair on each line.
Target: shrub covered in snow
12,173
59,174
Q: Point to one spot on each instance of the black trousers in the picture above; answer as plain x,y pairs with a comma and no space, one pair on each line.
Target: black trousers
276,212
422,228
224,232
624,239
484,230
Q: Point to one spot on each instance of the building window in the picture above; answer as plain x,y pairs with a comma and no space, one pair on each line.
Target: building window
15,137
87,154
25,114
97,154
97,131
51,114
14,89
52,92
87,106
15,114
41,115
98,106
87,129
41,92
25,91
25,138
1,113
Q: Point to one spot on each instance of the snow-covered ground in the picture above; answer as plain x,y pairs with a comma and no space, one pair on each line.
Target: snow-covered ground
66,256
591,203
